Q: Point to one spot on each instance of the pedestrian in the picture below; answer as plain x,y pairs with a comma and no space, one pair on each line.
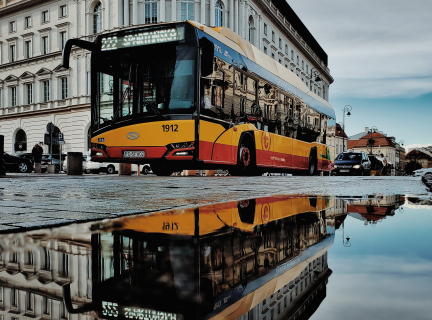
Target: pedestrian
385,164
37,153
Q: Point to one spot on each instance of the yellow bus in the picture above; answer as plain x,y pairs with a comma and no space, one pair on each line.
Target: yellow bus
186,96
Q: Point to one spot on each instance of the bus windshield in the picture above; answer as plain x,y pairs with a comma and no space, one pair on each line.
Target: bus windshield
151,81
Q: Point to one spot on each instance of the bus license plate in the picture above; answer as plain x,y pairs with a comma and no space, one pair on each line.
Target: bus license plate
133,154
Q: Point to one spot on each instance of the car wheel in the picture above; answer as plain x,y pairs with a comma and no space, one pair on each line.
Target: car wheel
110,169
145,170
22,167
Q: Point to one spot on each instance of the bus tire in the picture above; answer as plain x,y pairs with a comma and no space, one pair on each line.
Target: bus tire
313,162
246,157
162,170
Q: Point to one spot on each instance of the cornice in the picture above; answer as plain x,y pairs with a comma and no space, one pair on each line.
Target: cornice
46,111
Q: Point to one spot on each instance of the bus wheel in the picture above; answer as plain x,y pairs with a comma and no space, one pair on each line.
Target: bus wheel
246,163
162,170
313,162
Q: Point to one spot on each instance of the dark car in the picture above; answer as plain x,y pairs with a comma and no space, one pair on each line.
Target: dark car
352,163
17,164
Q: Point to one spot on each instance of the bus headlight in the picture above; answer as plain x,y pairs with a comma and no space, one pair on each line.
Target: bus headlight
183,145
357,166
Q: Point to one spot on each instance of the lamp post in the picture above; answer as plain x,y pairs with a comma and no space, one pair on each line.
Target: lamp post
347,109
373,129
400,143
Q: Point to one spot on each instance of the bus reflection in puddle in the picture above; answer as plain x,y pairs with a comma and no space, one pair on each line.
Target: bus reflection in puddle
261,257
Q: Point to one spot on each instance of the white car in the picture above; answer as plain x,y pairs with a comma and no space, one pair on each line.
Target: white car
421,172
110,168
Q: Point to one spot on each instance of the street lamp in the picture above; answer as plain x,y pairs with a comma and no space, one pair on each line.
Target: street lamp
345,241
373,129
347,109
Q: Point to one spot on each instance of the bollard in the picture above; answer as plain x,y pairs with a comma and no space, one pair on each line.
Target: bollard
2,168
74,163
37,168
210,173
125,169
51,168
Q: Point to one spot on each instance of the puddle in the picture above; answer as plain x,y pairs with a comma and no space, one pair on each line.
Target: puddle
280,257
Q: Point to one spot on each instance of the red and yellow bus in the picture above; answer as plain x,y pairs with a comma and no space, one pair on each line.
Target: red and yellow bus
186,96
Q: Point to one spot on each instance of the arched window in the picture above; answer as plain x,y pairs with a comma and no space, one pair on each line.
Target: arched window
150,11
97,18
251,30
218,14
187,10
20,141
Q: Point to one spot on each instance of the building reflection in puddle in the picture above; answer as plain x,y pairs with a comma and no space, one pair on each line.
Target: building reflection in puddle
262,258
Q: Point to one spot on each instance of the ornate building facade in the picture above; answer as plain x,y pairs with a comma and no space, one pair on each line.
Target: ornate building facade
35,89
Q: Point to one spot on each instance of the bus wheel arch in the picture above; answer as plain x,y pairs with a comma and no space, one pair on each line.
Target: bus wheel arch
313,162
246,155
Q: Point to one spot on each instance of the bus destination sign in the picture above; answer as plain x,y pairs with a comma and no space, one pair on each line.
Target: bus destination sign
142,38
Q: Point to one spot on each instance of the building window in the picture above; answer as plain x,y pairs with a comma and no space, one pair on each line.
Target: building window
64,88
187,10
45,16
273,36
286,66
44,45
97,18
12,26
29,93
298,60
150,11
62,39
218,14
12,53
46,305
27,22
14,298
292,54
286,49
13,97
64,265
46,263
273,55
265,29
307,69
46,91
280,43
302,65
265,50
280,61
63,11
29,301
27,49
251,23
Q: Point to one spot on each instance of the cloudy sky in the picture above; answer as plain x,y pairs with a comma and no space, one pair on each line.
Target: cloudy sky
380,56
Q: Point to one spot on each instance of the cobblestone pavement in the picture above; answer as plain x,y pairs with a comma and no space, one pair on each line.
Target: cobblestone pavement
31,200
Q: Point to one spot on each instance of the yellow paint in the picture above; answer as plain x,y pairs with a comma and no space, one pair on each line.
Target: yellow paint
151,134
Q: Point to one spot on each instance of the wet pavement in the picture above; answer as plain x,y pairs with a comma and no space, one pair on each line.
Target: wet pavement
275,257
31,201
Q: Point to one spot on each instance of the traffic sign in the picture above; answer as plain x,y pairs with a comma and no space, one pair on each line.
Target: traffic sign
60,137
50,127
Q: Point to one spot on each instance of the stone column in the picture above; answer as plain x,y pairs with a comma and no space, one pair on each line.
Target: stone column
240,18
231,14
212,13
236,8
125,12
135,12
83,18
162,11
173,10
203,7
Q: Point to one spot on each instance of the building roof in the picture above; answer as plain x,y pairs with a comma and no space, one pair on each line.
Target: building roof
420,153
380,140
340,132
301,29
357,136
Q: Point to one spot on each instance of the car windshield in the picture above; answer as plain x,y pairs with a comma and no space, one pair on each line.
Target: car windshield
350,156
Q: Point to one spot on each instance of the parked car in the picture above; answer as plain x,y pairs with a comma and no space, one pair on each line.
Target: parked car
110,168
421,172
52,159
84,163
17,164
352,163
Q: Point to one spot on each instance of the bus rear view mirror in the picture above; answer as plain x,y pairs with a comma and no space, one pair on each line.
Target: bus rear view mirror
90,46
207,57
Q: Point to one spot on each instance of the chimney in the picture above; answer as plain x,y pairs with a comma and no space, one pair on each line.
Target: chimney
366,129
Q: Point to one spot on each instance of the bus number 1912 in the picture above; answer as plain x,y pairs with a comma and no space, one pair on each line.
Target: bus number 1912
170,127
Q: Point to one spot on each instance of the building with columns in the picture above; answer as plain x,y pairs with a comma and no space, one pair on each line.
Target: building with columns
36,90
